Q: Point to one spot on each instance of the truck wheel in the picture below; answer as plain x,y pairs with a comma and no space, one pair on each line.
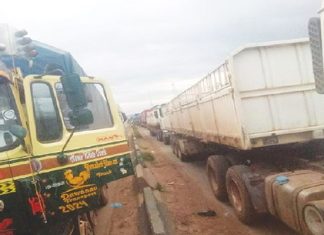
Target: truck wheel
103,196
183,157
238,194
159,136
173,146
76,226
166,140
177,151
217,166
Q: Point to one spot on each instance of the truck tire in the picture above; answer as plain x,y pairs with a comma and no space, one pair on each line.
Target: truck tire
166,140
238,194
159,136
103,195
217,166
183,157
173,146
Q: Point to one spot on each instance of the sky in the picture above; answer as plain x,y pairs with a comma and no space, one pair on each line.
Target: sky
151,50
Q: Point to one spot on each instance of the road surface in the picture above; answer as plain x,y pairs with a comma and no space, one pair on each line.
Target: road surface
186,191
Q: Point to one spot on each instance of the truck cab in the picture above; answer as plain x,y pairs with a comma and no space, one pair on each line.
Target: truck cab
58,150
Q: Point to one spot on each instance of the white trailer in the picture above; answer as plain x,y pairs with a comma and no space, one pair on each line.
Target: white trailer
261,121
263,94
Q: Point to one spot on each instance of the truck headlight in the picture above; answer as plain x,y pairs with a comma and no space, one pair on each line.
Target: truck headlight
314,219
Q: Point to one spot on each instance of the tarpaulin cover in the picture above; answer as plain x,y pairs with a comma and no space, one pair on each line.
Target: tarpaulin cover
46,55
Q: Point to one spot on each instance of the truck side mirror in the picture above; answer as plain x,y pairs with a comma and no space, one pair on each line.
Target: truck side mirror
18,131
77,100
74,91
81,117
315,37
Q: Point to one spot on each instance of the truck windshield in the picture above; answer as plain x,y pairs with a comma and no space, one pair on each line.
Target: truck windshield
7,118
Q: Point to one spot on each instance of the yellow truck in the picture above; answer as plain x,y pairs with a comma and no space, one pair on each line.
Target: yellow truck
61,142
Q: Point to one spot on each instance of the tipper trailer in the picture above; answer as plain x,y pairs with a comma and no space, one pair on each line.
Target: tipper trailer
260,120
262,95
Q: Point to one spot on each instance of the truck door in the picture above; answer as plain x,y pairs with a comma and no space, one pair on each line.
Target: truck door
73,162
11,158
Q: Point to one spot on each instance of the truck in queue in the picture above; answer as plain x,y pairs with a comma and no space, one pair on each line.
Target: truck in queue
143,117
164,134
61,140
152,120
259,119
156,121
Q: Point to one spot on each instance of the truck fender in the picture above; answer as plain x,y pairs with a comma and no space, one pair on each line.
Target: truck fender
255,185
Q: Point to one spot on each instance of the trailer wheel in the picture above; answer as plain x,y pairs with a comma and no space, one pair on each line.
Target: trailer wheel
160,137
177,151
180,154
238,194
173,146
183,157
166,140
217,166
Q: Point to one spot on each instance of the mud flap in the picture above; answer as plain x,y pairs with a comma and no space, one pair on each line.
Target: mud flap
255,185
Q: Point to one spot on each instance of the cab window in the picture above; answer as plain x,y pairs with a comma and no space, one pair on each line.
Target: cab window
97,104
8,117
48,124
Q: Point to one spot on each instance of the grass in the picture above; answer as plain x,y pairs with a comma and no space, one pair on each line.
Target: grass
136,133
159,187
147,156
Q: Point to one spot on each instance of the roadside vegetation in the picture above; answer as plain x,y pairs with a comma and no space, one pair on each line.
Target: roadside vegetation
147,156
137,134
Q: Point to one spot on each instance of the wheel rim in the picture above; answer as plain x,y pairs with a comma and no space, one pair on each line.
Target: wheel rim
314,220
235,196
212,180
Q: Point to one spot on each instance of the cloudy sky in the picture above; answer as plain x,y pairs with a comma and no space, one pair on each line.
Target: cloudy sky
151,50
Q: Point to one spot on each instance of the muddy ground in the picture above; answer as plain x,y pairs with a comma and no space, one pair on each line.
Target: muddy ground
186,192
123,220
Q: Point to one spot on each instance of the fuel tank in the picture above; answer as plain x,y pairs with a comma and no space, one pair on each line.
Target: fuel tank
289,193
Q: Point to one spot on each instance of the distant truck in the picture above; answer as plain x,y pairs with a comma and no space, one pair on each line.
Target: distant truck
165,125
157,122
143,117
261,122
152,120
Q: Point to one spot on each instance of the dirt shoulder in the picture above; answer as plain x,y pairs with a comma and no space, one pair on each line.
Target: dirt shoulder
123,220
